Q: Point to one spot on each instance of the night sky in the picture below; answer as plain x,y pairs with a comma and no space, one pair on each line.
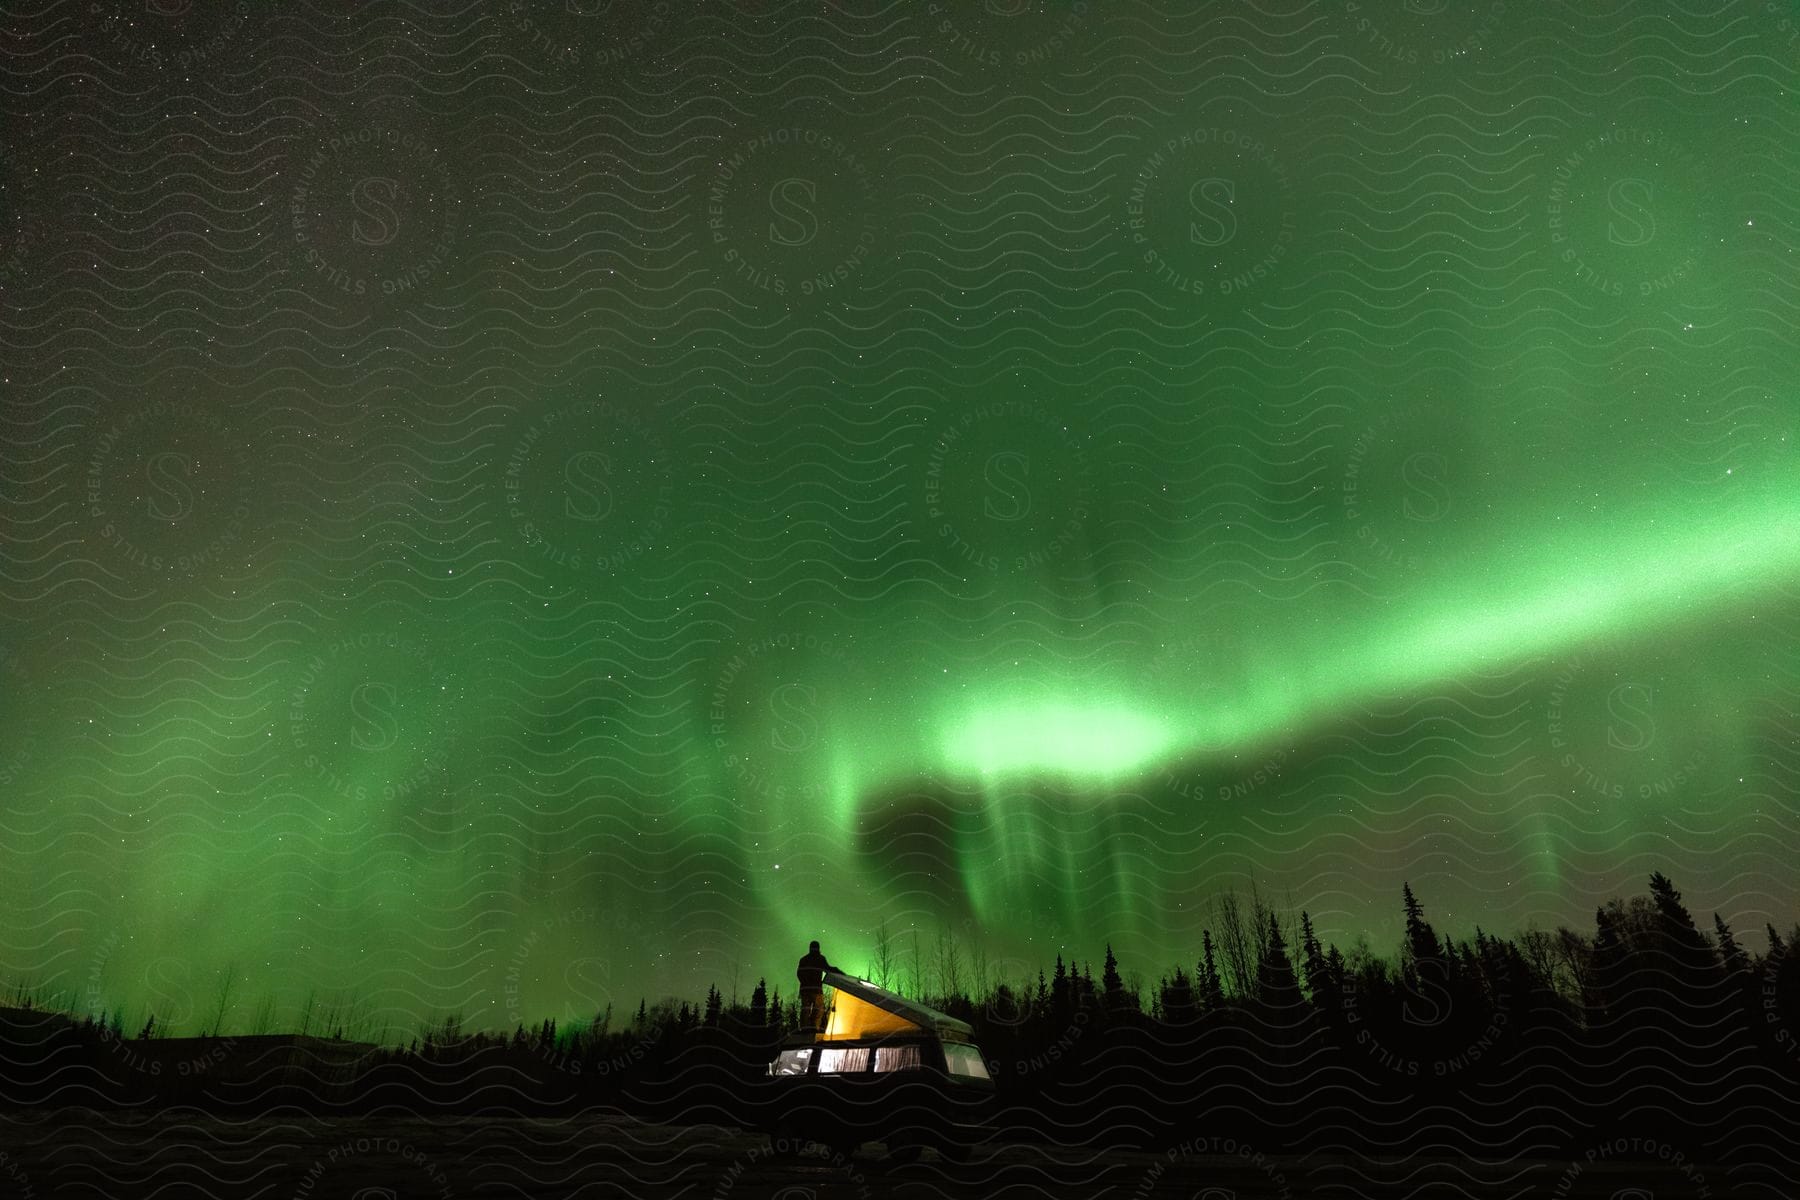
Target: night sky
522,508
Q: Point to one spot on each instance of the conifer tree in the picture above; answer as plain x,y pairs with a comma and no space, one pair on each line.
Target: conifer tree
1421,939
714,1006
1312,957
1113,987
1212,989
759,1004
1605,975
1685,985
1322,983
1729,951
1176,998
1275,979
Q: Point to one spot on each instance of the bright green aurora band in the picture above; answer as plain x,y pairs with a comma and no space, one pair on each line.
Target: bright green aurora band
1559,597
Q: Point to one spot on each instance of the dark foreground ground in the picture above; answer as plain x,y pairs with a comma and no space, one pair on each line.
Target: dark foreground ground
76,1152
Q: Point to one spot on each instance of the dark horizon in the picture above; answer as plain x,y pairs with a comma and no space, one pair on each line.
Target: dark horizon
1260,1054
966,981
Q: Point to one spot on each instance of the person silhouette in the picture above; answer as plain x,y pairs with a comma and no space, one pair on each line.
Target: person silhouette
811,973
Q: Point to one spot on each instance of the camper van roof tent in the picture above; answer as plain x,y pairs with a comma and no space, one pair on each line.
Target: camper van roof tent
863,1010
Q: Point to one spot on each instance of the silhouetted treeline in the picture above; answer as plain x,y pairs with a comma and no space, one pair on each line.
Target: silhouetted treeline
1653,1022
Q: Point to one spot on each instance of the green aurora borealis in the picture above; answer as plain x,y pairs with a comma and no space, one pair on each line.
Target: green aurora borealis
530,518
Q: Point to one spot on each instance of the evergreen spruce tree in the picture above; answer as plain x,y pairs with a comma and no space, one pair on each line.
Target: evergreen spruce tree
1427,968
1688,980
1421,939
1606,972
1730,953
714,1006
1275,982
1176,998
1312,957
1741,984
759,1005
1212,989
1322,984
1112,986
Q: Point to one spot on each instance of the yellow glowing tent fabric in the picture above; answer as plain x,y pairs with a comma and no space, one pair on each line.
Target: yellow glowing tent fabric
855,1018
859,1009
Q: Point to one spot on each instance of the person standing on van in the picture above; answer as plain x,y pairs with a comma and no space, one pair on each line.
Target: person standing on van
811,973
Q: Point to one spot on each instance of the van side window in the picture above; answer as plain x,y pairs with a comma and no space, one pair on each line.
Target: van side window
791,1062
843,1060
897,1058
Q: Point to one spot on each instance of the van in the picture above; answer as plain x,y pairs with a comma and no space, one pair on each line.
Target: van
883,1069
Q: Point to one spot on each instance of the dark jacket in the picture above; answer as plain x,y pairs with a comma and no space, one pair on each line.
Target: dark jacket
811,971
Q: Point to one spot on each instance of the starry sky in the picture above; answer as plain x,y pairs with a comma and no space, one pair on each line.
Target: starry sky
523,508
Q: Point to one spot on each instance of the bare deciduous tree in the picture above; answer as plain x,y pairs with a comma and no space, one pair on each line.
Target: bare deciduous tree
222,1004
1538,948
1574,958
949,964
1260,927
917,980
264,1020
885,956
1237,944
979,956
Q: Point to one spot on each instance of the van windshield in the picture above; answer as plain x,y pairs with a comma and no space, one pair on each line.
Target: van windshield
965,1060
